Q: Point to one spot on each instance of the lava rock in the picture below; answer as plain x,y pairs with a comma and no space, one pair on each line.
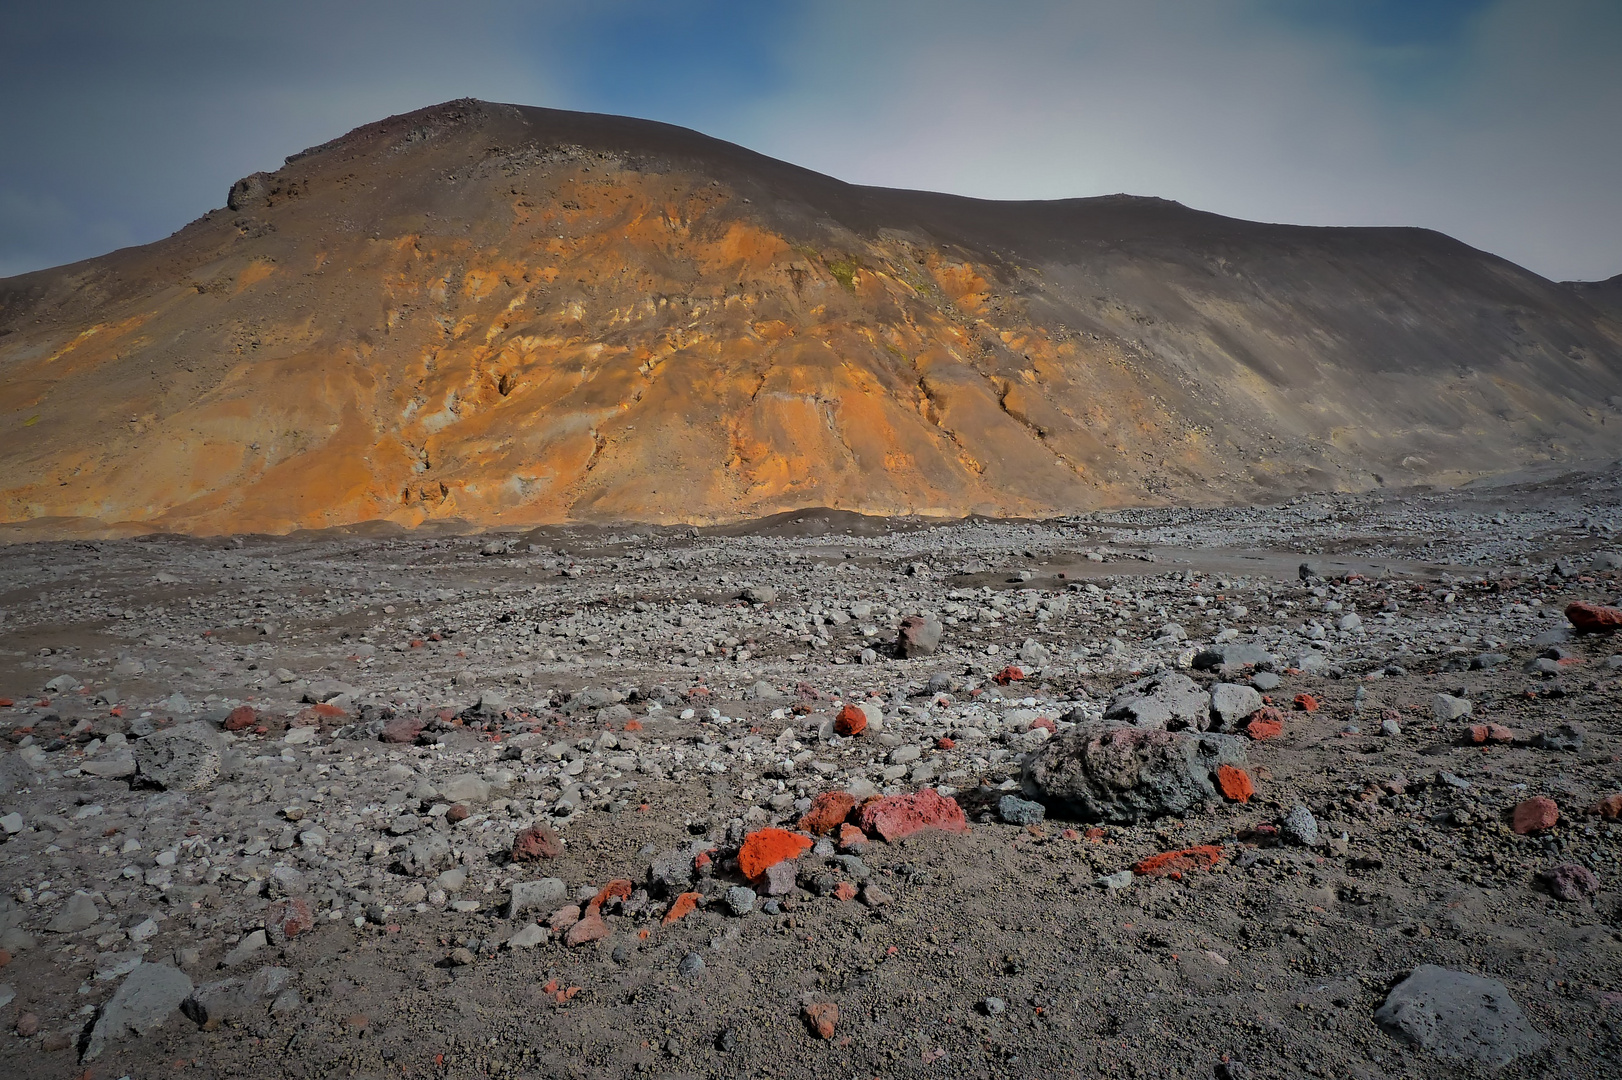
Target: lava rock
146,998
183,758
1458,1017
1126,775
1168,701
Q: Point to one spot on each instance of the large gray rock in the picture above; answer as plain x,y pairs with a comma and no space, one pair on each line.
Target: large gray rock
1231,703
147,997
1169,700
1234,655
78,913
1458,1017
183,758
213,1003
427,856
1127,775
114,766
920,636
543,894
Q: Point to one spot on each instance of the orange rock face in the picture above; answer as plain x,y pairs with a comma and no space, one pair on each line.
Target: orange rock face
1593,618
482,315
896,817
765,848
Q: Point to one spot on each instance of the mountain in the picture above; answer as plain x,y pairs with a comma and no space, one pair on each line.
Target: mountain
505,316
1605,295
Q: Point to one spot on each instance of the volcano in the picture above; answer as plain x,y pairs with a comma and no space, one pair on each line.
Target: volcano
500,316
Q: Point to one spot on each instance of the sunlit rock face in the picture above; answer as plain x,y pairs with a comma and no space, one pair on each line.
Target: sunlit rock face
504,316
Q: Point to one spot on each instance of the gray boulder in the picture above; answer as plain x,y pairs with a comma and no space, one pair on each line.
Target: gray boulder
1126,775
1234,655
1458,1017
1169,701
920,636
147,997
543,894
183,758
1231,703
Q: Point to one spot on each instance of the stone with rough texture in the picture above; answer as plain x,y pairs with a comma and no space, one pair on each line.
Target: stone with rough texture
1127,775
765,848
1570,881
1017,811
183,758
1593,618
896,817
537,895
590,927
920,636
145,999
78,913
851,721
1300,827
1446,707
1458,1017
1535,815
1233,655
1169,701
823,1017
535,843
1231,703
1235,784
828,811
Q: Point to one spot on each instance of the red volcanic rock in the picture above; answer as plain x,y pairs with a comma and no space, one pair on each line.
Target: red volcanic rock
536,842
828,811
288,919
1589,618
1535,815
850,721
241,717
681,907
1570,881
1609,807
590,928
1235,783
1008,675
402,729
1306,703
822,1017
1267,723
896,817
1173,863
1491,733
765,848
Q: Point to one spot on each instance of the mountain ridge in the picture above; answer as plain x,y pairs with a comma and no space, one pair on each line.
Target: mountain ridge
508,316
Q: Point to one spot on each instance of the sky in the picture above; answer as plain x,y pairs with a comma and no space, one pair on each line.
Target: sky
1495,121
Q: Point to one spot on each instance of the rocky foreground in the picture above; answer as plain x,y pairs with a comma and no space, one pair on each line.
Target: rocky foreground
1324,789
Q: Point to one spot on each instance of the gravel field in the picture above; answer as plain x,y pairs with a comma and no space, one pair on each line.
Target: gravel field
1329,789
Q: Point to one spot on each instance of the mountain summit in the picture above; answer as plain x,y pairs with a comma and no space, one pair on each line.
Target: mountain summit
509,316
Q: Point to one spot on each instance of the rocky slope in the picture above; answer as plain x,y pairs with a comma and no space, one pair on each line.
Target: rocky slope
509,316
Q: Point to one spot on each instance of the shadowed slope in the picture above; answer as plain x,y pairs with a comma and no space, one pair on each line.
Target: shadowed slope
512,316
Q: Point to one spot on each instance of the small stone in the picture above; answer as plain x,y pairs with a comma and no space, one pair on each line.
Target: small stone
531,935
460,958
27,1025
535,843
690,965
1570,881
1300,827
851,721
993,1006
896,817
1117,881
822,1017
1017,811
740,899
245,949
1235,783
828,812
875,897
1390,727
1566,739
538,895
79,913
1231,703
1446,707
920,636
1609,808
1534,815
591,927
1490,733
765,848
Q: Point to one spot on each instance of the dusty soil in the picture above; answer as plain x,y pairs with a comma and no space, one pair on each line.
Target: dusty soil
1270,963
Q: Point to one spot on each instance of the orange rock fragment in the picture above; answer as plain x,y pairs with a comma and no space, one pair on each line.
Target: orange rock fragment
1235,783
1491,733
590,928
1009,674
1173,863
618,889
850,837
1265,723
1535,815
241,717
845,891
828,811
765,848
1593,618
682,906
1609,807
850,721
1306,703
823,1017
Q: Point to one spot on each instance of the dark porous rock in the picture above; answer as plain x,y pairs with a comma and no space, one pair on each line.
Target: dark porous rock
1458,1017
183,758
1127,775
1233,656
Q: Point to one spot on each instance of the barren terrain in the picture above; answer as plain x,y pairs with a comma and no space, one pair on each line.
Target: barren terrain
401,859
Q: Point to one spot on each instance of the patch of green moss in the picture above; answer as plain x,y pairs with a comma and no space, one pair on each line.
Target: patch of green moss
844,270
